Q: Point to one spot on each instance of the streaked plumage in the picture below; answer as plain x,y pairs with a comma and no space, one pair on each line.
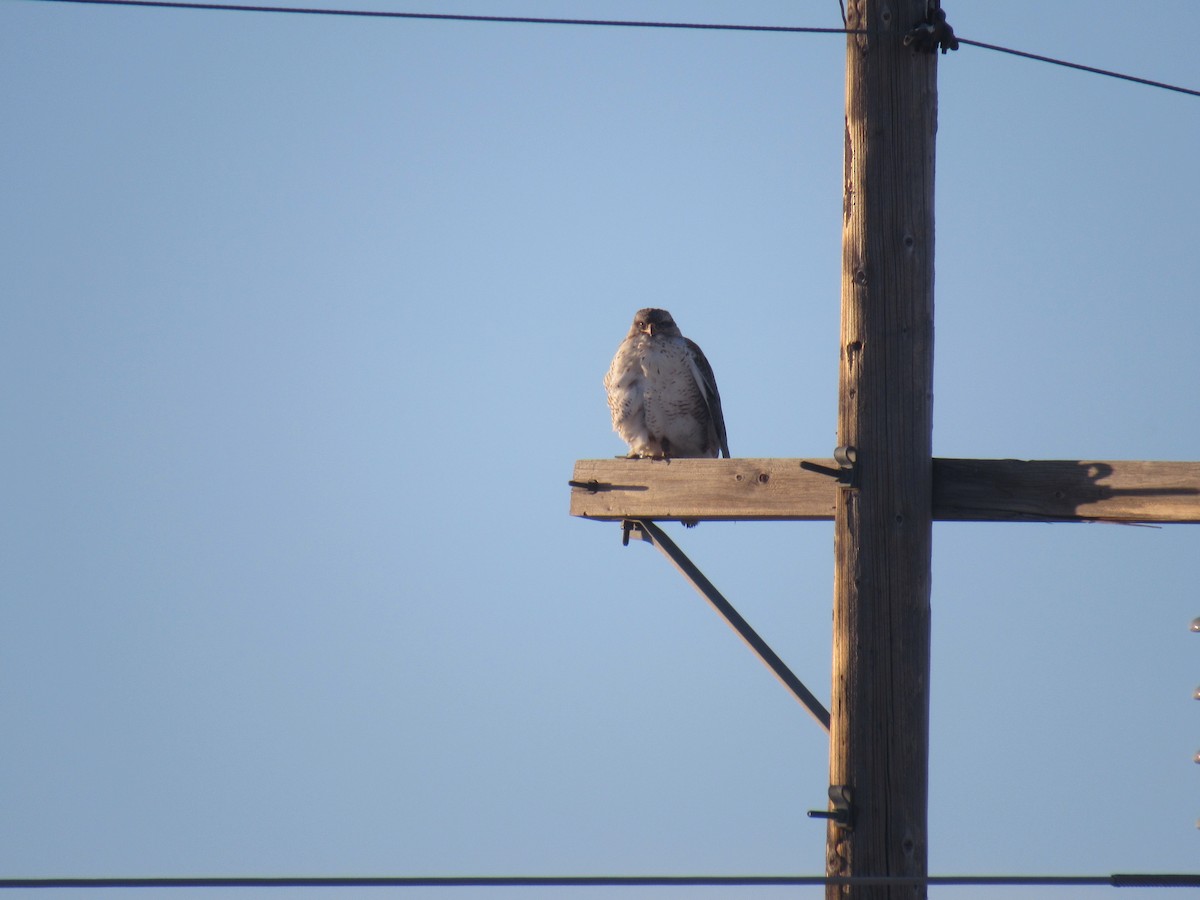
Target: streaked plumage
662,393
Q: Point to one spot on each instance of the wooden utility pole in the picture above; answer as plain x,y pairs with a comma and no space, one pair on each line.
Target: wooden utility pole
884,489
879,730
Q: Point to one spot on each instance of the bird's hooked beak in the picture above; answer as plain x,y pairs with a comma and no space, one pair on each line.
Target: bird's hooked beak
648,328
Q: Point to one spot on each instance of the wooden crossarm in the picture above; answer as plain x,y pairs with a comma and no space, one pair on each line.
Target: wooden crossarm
964,490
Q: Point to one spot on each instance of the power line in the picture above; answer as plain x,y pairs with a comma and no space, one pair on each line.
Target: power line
1119,880
613,23
1083,68
454,17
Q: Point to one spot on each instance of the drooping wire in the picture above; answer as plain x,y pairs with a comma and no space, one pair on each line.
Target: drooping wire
452,17
534,20
1070,65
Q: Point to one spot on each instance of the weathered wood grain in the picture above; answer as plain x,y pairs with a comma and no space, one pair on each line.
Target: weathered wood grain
1014,490
964,490
883,532
728,489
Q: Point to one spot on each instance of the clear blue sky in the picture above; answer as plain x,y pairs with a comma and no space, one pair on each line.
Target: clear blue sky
304,324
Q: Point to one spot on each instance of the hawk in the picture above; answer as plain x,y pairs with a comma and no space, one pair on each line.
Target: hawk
662,393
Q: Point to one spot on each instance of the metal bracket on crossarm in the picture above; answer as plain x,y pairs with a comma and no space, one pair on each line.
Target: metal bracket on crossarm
650,533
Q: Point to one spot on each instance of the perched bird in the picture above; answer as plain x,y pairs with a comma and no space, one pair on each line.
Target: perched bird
662,393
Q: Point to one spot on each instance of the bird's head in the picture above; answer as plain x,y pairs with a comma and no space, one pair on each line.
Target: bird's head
654,322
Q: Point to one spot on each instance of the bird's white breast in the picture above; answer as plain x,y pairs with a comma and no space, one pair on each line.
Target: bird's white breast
654,397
